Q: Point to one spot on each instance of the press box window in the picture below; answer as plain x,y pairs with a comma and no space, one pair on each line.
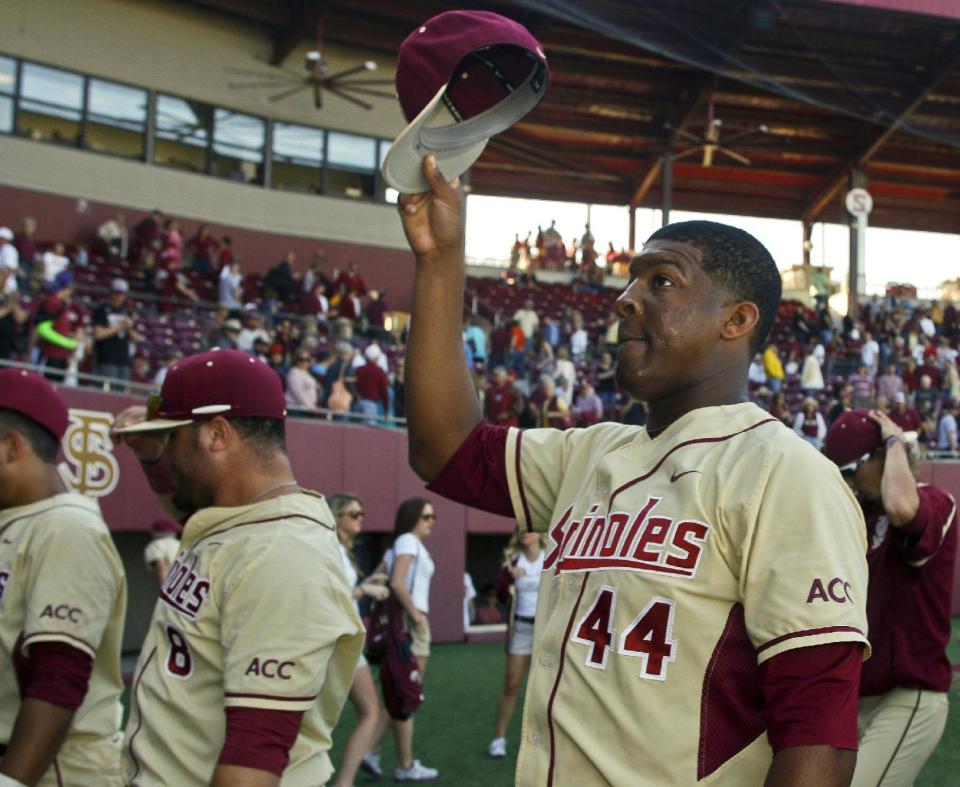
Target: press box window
8,88
183,130
238,146
351,165
116,118
51,104
297,158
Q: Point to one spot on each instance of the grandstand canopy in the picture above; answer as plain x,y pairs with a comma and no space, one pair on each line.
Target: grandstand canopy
836,83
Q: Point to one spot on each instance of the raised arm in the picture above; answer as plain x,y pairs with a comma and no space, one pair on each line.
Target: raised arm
442,406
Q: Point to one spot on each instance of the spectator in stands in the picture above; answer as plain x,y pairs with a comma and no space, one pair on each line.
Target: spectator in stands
565,375
503,403
226,254
373,386
59,326
25,243
551,331
841,404
353,280
301,385
811,376
140,371
870,353
229,289
9,256
588,408
253,327
552,411
605,381
114,237
54,262
399,390
315,273
204,247
951,382
809,423
12,315
911,376
929,368
947,428
282,278
375,313
114,337
891,383
174,285
229,335
926,401
169,359
171,245
541,359
578,339
341,369
772,367
756,373
477,336
518,341
527,319
349,306
864,388
147,234
903,415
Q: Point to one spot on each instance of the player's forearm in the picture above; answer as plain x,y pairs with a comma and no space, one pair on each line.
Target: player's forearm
898,489
38,732
238,776
442,406
799,766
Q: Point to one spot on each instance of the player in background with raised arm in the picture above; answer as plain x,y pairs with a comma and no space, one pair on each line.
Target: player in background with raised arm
681,634
63,597
254,640
912,536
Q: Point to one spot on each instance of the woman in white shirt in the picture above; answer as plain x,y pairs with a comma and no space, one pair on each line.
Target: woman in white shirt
410,568
348,513
520,577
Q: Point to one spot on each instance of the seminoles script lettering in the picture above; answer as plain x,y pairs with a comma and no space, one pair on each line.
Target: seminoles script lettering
625,541
184,591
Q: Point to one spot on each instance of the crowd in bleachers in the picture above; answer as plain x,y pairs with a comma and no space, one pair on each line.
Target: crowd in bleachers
129,303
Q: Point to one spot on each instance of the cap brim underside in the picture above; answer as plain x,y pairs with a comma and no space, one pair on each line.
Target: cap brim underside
155,425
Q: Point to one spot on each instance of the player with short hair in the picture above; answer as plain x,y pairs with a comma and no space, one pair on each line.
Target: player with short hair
912,533
63,598
701,614
255,639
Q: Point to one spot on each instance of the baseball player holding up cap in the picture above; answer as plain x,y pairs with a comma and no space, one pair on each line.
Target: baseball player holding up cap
912,537
701,617
62,603
255,640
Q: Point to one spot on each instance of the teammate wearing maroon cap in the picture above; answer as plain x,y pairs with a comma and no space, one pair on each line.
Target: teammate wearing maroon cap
62,604
912,537
254,640
676,640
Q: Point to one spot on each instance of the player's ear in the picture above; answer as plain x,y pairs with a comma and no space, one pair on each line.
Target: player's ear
12,446
741,318
218,434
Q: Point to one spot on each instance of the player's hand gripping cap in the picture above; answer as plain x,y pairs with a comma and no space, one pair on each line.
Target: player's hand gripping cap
851,439
32,396
485,69
231,383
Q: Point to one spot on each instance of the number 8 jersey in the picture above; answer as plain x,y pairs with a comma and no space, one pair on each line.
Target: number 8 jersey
676,566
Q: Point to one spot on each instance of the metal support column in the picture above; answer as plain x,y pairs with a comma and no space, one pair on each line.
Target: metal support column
856,280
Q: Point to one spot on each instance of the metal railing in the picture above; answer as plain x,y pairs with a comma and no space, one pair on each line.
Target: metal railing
118,386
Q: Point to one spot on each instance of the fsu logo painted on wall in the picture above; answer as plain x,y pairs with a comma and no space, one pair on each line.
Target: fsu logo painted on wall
90,467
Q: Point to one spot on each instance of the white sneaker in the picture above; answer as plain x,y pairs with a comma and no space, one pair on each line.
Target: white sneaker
415,773
498,748
371,764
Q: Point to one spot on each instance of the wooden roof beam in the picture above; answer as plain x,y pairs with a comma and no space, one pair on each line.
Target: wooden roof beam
921,88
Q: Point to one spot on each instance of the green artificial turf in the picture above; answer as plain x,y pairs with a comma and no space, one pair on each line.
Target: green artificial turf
454,725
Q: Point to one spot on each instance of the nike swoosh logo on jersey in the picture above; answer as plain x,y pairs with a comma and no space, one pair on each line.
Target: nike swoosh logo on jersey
675,476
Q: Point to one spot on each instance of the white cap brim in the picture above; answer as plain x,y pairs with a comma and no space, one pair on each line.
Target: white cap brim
456,145
155,425
403,164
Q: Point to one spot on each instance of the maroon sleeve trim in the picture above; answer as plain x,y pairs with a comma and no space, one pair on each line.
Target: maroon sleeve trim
260,739
270,697
59,674
809,633
476,475
811,696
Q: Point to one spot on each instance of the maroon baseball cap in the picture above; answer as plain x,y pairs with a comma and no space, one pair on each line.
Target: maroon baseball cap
231,383
32,396
852,437
487,70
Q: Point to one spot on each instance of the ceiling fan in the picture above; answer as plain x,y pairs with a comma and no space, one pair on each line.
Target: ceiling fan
710,143
318,79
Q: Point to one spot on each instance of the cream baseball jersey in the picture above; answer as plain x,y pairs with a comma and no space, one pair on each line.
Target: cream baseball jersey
61,580
255,613
675,566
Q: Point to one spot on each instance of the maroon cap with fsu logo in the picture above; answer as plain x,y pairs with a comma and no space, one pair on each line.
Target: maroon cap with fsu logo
34,397
230,383
486,70
851,438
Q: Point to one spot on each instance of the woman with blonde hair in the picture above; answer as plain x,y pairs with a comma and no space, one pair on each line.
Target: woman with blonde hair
348,513
809,423
519,578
